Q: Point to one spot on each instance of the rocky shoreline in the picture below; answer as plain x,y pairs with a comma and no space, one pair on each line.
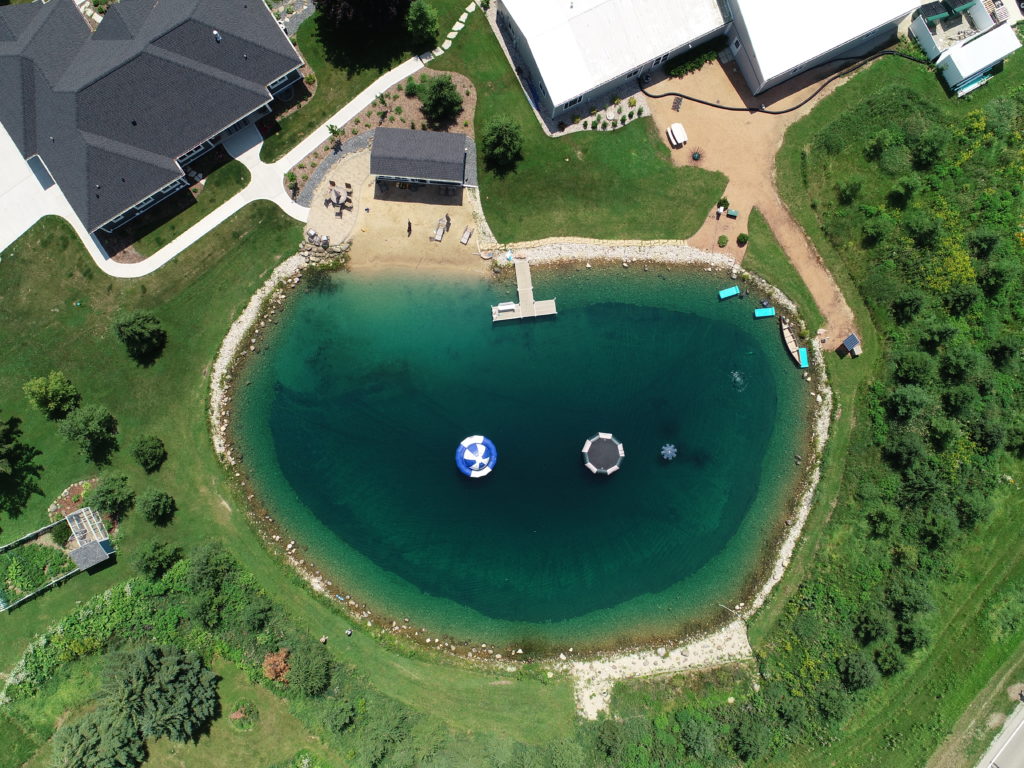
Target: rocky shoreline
595,676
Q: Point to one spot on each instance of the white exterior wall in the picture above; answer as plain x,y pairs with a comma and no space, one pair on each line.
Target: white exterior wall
923,35
981,17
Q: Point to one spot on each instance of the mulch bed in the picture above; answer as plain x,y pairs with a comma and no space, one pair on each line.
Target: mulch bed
401,111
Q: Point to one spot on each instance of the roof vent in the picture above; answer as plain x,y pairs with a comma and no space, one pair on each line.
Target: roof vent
216,35
134,123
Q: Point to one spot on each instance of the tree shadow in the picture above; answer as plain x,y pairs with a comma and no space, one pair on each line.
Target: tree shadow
354,49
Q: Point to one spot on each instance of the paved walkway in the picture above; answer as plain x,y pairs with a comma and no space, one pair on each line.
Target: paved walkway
1007,750
21,191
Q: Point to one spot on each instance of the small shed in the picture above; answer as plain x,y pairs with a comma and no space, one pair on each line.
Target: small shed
420,157
851,345
968,65
90,543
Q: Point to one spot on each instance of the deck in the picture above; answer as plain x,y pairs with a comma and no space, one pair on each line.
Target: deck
527,306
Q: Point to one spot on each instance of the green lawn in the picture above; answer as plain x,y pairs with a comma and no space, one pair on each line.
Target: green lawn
344,64
613,184
220,186
196,296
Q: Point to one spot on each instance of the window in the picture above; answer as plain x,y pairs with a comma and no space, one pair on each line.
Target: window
572,103
635,72
736,44
660,59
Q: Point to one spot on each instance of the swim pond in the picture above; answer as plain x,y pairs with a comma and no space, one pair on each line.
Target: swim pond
349,421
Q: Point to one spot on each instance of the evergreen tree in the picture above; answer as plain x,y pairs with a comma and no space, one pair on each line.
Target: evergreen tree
142,335
502,144
150,453
100,739
157,507
112,496
442,101
421,21
366,15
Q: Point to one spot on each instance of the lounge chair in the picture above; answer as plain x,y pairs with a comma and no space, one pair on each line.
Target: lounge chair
466,235
439,232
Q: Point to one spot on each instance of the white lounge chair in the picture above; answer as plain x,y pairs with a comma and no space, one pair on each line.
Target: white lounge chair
466,235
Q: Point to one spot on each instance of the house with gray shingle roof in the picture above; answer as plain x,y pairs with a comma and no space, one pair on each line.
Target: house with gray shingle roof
421,157
117,114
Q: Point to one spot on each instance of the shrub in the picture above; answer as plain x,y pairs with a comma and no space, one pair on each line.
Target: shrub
309,669
411,88
275,666
94,430
722,241
723,202
142,335
99,739
857,671
847,191
157,507
441,100
502,143
694,59
112,496
742,239
336,715
53,395
156,559
150,453
751,738
639,111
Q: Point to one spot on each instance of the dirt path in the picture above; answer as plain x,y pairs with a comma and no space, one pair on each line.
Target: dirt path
743,145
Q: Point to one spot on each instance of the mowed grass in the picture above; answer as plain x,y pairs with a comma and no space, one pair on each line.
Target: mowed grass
219,186
197,296
610,184
344,63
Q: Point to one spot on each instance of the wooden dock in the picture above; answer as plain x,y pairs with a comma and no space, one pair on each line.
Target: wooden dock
527,305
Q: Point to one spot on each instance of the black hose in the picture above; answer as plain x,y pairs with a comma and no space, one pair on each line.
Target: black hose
818,90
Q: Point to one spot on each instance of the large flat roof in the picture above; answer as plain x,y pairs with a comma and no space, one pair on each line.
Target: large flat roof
787,33
581,44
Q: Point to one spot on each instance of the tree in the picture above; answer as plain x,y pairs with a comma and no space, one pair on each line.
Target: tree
100,739
857,671
156,559
150,453
162,691
54,395
441,100
94,430
421,21
502,143
113,496
157,507
142,335
336,715
18,469
367,15
752,738
309,669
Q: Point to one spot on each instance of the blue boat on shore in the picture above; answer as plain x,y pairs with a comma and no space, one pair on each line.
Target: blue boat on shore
727,293
803,357
764,312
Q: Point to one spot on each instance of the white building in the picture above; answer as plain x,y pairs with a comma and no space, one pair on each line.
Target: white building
576,50
775,41
965,41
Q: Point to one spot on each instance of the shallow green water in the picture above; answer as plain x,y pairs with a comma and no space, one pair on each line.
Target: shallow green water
349,425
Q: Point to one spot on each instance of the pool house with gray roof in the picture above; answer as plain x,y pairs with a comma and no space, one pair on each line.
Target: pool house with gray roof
116,114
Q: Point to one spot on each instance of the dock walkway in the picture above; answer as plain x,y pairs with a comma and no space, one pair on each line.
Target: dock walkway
527,305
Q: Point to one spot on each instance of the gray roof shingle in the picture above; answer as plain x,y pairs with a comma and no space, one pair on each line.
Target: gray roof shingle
408,154
108,112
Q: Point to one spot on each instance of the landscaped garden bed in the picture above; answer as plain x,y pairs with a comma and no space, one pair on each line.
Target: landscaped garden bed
394,108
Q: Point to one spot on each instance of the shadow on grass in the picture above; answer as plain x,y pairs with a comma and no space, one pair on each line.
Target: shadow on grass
353,49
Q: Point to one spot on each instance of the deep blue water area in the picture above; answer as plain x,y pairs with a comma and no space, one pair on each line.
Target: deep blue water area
349,425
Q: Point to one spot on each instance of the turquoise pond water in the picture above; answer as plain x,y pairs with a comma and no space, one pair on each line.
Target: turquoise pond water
349,424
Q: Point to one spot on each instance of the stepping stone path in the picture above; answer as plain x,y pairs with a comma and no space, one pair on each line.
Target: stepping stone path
456,28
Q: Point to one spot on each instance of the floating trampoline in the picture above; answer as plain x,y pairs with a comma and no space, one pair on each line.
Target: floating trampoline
603,454
476,456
